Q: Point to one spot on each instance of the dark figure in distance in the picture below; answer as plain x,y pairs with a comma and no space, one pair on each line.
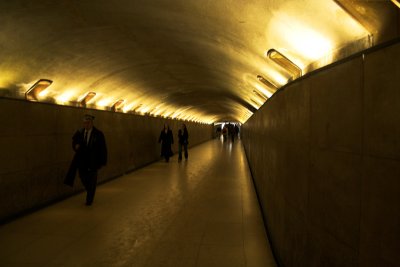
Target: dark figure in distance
166,139
218,132
232,132
90,155
183,137
236,131
225,133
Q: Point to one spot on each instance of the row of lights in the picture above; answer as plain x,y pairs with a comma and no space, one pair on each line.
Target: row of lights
40,86
294,70
38,89
284,62
277,57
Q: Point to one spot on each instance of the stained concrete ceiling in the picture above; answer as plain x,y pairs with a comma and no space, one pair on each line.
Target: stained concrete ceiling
188,59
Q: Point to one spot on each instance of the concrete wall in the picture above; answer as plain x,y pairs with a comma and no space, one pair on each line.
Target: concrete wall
36,151
325,157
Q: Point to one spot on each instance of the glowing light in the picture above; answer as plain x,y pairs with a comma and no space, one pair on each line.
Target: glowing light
310,43
284,62
44,93
279,78
144,109
160,109
255,103
179,113
105,102
270,85
137,108
397,3
34,92
301,38
174,115
65,97
6,78
127,108
168,113
315,33
264,91
87,98
117,104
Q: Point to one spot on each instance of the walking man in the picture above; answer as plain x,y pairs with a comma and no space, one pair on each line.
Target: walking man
90,155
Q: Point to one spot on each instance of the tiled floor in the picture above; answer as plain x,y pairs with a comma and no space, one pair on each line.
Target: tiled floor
202,212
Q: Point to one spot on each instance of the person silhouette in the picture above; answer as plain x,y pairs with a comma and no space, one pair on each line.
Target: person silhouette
166,139
90,155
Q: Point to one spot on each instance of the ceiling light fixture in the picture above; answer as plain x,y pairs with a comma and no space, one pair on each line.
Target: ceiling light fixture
284,62
260,95
33,93
117,105
136,109
257,104
89,96
267,82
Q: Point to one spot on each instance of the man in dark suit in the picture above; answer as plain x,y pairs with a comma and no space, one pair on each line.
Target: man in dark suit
90,155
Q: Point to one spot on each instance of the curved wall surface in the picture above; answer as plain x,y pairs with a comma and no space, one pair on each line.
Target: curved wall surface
325,157
35,141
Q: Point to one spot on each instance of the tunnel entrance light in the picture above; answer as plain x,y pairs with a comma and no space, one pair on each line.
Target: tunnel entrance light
33,93
117,105
89,96
284,62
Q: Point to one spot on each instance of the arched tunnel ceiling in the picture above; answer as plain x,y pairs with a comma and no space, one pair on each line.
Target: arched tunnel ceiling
187,59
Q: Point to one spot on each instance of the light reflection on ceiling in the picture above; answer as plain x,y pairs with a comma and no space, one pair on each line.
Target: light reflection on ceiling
179,59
